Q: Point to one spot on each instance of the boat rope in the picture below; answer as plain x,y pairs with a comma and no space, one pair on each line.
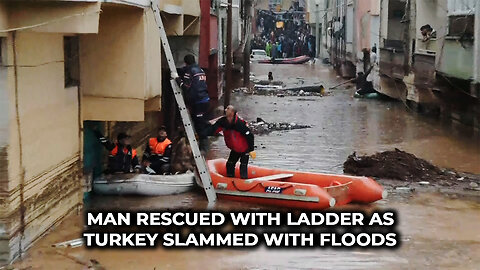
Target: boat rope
245,190
284,186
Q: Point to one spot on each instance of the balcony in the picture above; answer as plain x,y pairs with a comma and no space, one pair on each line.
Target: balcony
424,68
392,63
456,58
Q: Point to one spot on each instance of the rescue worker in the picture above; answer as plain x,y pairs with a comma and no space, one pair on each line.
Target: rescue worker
122,157
194,85
158,150
238,138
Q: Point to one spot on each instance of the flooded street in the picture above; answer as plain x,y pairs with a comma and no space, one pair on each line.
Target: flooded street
343,124
436,232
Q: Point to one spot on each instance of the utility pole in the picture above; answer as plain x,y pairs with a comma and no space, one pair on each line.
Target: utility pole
317,28
228,65
247,4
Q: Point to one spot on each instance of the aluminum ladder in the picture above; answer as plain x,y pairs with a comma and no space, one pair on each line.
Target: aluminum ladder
187,122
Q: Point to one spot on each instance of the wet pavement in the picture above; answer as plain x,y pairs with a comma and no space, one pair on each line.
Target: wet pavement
436,232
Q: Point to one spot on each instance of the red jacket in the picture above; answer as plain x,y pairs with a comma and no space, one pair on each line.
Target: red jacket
237,135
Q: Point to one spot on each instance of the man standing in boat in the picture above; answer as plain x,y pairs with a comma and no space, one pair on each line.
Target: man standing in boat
158,150
122,157
238,138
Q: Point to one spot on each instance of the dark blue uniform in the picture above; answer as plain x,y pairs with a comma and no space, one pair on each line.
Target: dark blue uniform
194,85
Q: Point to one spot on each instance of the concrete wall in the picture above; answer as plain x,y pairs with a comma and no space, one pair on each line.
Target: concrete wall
191,8
395,27
383,20
40,119
367,22
178,16
312,11
182,46
286,4
261,4
456,61
3,18
375,31
433,13
153,56
350,37
43,144
75,17
4,137
363,24
3,101
115,88
236,24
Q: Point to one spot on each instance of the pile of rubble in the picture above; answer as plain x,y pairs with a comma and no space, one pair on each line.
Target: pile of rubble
397,165
261,127
406,167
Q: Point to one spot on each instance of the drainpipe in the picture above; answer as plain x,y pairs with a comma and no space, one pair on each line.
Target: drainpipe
317,28
228,67
20,150
247,4
476,45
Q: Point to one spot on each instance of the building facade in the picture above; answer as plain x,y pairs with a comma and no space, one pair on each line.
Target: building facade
67,68
435,74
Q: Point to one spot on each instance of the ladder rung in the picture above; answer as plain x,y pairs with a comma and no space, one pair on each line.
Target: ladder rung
199,161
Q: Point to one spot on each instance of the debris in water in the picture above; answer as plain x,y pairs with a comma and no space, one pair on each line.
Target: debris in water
397,165
404,189
71,243
260,126
271,90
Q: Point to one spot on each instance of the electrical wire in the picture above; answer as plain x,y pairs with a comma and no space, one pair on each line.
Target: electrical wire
49,22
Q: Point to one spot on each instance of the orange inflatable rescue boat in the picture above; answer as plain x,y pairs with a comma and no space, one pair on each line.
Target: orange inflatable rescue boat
293,189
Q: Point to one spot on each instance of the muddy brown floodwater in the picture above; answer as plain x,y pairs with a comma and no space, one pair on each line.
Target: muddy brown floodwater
436,232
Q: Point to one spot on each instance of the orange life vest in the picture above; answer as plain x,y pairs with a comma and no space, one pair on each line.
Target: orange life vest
158,148
114,152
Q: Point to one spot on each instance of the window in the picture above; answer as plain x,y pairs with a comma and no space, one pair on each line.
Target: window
461,7
3,51
213,6
71,61
461,26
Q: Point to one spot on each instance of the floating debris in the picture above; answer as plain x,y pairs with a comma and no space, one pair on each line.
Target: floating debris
71,243
404,189
278,90
260,126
